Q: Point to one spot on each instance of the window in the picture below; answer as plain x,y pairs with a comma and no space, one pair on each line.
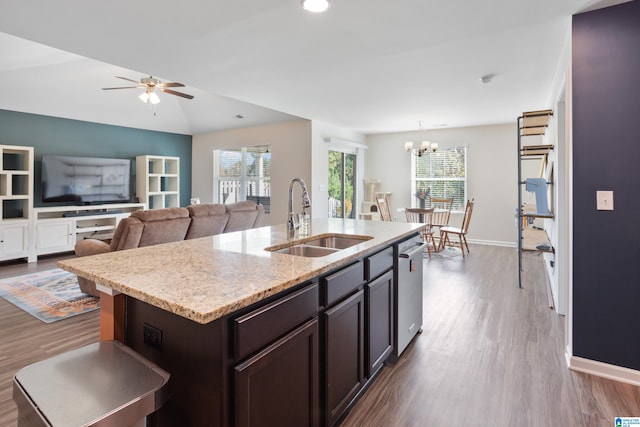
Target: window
243,174
443,173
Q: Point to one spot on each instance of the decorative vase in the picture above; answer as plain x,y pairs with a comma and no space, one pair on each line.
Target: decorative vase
423,203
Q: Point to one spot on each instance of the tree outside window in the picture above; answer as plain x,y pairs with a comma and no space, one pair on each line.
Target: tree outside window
342,176
443,173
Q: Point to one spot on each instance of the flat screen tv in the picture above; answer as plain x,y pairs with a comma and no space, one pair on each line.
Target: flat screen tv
85,180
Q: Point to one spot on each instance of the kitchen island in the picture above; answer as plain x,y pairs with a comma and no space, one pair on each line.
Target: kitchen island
253,336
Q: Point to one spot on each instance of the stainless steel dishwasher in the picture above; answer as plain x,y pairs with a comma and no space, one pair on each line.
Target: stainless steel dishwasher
408,292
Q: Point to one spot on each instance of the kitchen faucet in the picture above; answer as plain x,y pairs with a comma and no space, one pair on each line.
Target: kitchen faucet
292,222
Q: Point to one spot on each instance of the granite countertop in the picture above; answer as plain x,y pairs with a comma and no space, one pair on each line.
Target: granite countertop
207,278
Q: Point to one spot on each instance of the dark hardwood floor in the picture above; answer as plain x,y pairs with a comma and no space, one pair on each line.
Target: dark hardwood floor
490,354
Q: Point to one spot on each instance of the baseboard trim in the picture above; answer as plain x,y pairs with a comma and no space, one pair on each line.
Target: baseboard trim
604,370
492,243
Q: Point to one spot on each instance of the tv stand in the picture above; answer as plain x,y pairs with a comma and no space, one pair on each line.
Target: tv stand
58,228
90,213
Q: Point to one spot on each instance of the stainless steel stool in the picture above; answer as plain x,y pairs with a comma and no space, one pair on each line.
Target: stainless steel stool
103,384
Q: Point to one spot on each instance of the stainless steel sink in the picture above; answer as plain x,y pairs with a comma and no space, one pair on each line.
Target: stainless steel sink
337,242
318,246
306,251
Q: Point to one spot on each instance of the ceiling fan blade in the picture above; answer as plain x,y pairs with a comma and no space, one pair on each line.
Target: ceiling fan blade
127,79
174,84
122,87
173,92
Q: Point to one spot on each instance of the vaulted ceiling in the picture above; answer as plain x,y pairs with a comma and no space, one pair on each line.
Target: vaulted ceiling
372,66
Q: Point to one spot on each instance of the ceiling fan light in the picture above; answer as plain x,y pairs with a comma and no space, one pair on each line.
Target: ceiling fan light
153,98
144,97
315,5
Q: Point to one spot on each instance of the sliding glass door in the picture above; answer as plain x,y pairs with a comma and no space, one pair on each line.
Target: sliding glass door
342,184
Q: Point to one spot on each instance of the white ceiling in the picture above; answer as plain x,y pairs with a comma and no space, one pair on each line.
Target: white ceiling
371,66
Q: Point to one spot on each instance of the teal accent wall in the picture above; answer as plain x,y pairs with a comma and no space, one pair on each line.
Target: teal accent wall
53,135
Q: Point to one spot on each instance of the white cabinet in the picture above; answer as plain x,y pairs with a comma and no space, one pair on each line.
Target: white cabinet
158,181
55,236
97,226
14,240
57,229
16,200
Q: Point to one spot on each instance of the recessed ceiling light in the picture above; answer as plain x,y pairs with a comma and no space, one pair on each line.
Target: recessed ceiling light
315,5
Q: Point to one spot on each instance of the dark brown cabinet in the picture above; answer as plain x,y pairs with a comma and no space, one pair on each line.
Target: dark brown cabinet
344,355
379,314
379,321
298,358
279,385
357,329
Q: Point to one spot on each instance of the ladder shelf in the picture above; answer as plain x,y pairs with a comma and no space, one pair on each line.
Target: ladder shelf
531,239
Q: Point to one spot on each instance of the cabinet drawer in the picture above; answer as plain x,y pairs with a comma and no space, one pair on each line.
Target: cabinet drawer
377,264
341,283
258,328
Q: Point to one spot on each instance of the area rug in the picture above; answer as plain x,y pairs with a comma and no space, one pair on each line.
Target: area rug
447,252
49,295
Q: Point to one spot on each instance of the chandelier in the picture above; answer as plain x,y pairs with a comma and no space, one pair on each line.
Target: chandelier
424,147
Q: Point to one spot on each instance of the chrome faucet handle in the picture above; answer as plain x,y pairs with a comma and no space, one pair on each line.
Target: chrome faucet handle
293,221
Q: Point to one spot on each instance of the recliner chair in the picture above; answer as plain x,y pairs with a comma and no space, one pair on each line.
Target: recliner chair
142,228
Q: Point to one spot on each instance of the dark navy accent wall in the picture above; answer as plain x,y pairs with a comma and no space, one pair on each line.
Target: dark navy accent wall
52,135
606,156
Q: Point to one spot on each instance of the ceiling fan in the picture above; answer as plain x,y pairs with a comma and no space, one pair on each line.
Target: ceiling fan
150,84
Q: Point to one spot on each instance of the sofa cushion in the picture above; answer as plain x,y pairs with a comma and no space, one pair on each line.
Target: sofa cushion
127,234
243,215
163,225
206,220
160,214
151,227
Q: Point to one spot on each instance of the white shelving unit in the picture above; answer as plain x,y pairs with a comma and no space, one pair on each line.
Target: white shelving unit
16,195
531,124
57,229
158,181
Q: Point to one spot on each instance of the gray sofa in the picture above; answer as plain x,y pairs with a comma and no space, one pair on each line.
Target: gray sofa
156,226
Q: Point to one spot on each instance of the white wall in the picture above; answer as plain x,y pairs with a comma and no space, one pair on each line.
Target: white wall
492,163
559,229
291,157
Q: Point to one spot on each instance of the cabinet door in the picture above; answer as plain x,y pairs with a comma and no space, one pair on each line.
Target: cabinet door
14,241
55,236
344,358
379,321
279,385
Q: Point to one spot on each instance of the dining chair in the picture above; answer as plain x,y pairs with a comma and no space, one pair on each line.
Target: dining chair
441,210
460,232
423,216
382,200
441,213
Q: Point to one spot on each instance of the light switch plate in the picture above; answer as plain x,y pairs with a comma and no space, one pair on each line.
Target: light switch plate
604,200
